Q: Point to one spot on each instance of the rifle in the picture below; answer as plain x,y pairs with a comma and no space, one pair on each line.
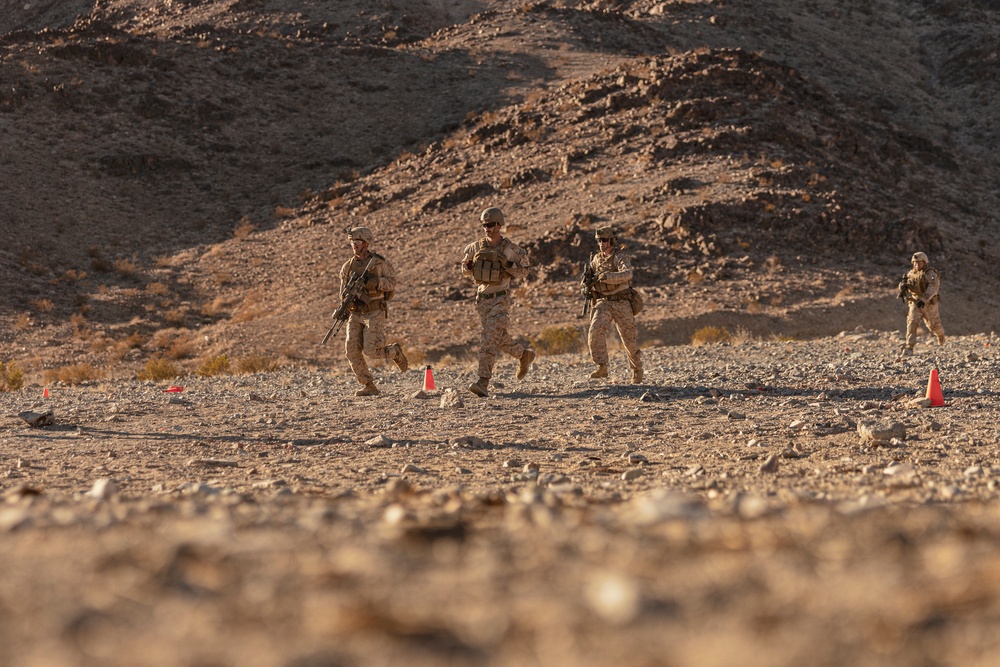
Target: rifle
347,297
587,289
904,287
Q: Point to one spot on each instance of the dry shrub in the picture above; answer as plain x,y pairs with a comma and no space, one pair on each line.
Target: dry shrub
245,228
125,267
74,374
754,307
709,336
157,289
219,306
43,305
415,357
558,340
174,344
23,322
255,363
742,335
157,369
11,376
250,309
74,275
215,366
175,316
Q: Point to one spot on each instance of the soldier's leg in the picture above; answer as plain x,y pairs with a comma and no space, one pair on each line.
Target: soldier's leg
375,335
597,335
487,340
932,318
354,346
912,324
500,312
629,333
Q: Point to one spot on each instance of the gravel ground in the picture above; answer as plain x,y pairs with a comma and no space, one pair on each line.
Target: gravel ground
766,503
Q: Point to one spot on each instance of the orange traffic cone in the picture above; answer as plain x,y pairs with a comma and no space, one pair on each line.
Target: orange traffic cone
428,379
934,390
45,393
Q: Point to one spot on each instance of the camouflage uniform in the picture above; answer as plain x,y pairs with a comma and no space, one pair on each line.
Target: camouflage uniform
612,271
492,266
366,326
921,289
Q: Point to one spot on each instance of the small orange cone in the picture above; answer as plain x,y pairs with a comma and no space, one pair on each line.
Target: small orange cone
45,393
934,389
428,379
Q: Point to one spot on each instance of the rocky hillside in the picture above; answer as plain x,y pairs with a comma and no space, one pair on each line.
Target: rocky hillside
179,174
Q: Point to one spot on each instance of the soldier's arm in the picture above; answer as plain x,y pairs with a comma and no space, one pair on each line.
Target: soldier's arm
623,273
933,285
467,260
345,275
517,257
384,276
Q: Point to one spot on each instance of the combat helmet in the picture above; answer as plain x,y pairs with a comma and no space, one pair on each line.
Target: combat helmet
492,214
361,234
606,232
919,257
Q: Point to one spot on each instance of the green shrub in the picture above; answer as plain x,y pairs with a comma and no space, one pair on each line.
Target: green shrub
215,366
709,336
158,369
74,374
255,363
11,376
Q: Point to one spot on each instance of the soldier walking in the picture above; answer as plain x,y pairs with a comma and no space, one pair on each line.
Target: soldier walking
610,295
367,322
491,262
921,289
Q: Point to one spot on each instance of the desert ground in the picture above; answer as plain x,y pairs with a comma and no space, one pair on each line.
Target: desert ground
177,179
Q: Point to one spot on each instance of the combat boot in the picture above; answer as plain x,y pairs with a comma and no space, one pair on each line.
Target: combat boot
636,376
941,339
601,372
398,358
524,363
479,388
906,351
368,390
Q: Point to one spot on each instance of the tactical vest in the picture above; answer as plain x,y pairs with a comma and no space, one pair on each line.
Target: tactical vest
367,295
486,266
608,265
917,280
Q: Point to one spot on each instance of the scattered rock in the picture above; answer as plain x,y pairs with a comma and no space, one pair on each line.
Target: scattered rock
38,419
104,489
450,398
880,432
770,465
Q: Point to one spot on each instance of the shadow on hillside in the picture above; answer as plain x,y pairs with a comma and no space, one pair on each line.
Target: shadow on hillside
961,317
204,144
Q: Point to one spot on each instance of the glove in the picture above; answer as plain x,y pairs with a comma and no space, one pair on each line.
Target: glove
467,265
372,284
920,304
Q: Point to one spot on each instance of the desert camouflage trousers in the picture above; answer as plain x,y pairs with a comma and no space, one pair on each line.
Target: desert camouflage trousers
365,336
601,316
494,315
929,315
